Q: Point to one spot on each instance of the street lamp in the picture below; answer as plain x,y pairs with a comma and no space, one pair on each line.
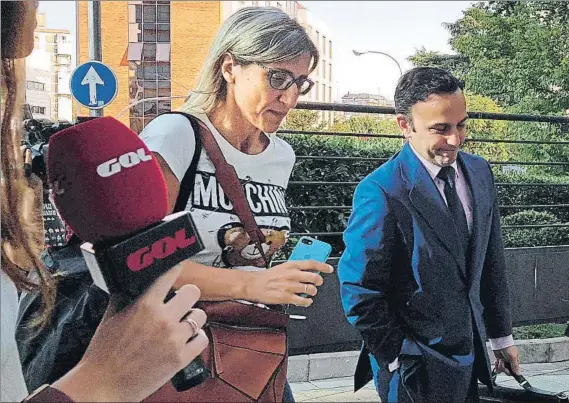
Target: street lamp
380,53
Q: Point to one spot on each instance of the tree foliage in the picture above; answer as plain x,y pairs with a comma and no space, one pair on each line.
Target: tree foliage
302,119
516,53
487,129
367,124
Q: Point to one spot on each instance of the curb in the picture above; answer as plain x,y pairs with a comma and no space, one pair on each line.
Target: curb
313,367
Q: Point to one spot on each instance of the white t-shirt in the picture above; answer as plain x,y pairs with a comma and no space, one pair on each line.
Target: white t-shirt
264,176
13,387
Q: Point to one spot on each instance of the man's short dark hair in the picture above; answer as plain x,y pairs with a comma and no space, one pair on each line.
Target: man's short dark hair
417,84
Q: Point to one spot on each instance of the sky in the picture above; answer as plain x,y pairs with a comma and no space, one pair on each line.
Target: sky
398,28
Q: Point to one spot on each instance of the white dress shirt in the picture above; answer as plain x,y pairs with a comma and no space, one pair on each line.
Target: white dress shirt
465,196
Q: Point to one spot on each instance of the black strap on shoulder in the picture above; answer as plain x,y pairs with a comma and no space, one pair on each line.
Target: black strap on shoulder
189,179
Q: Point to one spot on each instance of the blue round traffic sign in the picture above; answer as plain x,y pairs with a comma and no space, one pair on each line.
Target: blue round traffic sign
94,85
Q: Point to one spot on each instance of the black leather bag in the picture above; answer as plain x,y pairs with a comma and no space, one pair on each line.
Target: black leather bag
48,353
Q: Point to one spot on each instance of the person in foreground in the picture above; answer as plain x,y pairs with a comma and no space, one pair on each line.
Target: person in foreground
423,275
134,351
253,75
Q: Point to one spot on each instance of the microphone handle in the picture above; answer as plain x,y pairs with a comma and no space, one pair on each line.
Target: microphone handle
194,374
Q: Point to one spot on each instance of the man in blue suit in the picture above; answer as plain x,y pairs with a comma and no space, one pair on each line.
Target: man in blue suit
423,273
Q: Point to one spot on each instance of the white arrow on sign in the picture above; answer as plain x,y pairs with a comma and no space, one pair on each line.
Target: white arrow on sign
92,79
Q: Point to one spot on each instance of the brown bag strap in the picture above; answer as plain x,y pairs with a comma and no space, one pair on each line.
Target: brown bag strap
229,181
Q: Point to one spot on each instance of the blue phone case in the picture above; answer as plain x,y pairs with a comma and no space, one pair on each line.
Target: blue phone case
311,249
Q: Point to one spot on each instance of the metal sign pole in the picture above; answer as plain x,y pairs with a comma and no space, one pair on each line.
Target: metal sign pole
95,50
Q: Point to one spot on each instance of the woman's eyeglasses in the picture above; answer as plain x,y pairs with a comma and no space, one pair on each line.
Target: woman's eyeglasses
282,80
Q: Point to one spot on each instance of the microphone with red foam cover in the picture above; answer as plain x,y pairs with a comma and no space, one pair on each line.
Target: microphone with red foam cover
110,190
106,182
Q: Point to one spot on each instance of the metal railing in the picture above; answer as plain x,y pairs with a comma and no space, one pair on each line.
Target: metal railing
390,110
325,321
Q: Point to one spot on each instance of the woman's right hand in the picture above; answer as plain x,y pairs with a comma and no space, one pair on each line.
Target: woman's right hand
137,350
283,283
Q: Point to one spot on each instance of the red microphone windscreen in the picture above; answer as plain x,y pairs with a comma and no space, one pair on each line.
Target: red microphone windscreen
106,182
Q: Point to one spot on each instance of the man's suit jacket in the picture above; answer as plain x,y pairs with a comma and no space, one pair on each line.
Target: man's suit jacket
408,287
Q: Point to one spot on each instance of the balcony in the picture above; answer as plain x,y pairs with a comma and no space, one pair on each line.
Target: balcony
64,48
62,60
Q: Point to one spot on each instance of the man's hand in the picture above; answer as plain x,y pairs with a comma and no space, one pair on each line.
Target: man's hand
508,354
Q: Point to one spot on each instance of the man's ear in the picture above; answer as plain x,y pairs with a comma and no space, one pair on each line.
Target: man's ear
228,68
405,125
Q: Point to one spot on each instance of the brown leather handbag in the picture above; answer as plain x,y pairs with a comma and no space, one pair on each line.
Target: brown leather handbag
247,354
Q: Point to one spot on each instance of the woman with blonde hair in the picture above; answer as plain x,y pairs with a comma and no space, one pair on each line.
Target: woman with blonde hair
254,73
134,351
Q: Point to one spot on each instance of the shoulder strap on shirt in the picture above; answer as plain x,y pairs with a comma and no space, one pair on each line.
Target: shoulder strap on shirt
189,179
227,178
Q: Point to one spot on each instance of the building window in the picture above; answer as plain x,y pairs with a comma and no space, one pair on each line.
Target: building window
323,92
316,87
149,13
324,70
163,33
38,109
330,48
149,61
34,85
330,94
148,32
330,71
163,14
149,52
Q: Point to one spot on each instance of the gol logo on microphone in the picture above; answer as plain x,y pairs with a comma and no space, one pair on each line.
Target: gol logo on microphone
167,246
128,160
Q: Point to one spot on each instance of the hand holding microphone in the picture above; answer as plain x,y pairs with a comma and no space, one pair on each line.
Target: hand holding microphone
110,191
138,349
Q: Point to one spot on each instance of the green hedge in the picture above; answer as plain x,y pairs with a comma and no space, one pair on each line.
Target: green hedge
523,237
355,171
524,195
543,331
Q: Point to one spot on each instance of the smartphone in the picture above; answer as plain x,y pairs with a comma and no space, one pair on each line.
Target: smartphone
310,249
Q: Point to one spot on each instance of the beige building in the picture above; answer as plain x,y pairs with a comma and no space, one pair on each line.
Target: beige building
48,70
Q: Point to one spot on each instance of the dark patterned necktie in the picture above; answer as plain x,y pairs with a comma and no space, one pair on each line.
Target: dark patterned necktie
448,175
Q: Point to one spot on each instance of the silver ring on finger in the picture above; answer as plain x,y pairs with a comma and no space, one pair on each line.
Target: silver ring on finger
193,324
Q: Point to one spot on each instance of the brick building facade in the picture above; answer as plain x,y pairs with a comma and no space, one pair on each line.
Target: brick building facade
155,48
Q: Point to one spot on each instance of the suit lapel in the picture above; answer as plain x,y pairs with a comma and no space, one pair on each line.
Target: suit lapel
428,201
480,209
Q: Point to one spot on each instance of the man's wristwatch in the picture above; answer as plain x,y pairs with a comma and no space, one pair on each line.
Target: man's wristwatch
46,393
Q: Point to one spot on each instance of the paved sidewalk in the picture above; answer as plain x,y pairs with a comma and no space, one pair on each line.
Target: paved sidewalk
551,376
